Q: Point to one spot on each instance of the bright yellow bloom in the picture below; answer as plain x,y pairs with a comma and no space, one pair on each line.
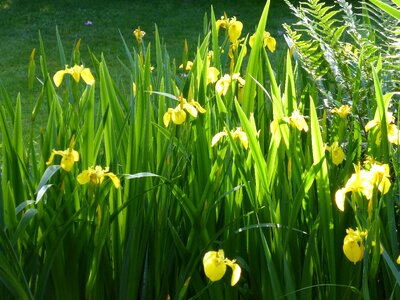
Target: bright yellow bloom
353,245
97,175
215,263
364,182
178,115
268,41
188,66
76,72
337,153
343,111
212,74
392,130
233,27
398,260
69,157
223,83
238,134
297,120
139,34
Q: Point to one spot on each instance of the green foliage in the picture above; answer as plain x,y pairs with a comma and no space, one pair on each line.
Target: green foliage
173,166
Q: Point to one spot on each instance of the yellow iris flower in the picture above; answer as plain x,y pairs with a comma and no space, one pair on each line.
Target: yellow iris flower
343,111
69,157
215,263
364,182
238,134
76,72
297,120
268,41
97,175
233,26
337,153
223,83
392,130
353,245
178,115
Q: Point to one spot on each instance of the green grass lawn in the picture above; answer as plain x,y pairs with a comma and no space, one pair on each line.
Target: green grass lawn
20,24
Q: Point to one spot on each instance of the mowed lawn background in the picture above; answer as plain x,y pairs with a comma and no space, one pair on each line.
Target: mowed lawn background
98,23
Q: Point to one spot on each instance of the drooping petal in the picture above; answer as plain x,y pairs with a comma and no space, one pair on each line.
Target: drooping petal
167,117
87,76
114,179
197,105
84,177
190,109
58,77
236,271
51,158
340,197
371,124
217,137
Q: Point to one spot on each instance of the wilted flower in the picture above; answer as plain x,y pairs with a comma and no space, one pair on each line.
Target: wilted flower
76,72
69,157
139,34
215,263
178,115
238,134
96,175
337,153
353,245
343,111
268,41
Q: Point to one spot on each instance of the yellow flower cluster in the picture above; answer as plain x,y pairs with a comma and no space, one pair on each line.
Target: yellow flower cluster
214,263
95,175
353,245
365,182
76,72
178,115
